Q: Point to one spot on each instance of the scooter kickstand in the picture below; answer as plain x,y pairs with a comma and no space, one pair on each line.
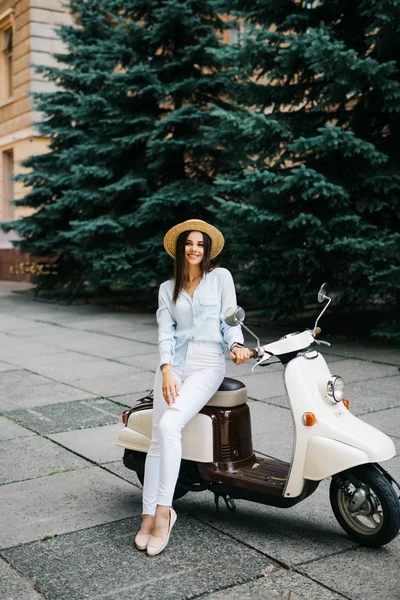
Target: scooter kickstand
230,503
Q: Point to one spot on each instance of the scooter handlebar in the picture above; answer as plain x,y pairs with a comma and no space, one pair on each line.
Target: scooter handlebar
253,354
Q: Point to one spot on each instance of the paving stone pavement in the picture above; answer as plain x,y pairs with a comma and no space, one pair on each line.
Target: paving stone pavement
69,508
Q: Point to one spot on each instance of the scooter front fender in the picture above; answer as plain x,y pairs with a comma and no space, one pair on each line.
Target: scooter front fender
325,457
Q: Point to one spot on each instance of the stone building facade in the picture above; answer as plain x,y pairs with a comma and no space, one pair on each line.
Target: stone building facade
27,38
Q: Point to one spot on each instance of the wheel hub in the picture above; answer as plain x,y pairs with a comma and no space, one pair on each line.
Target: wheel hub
360,508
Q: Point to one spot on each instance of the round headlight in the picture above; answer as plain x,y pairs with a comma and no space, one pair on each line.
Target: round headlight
335,389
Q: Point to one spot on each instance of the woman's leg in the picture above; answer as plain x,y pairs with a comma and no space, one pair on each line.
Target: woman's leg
204,372
195,392
152,465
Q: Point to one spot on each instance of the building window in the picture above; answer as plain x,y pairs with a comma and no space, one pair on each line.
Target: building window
238,33
8,184
7,49
6,56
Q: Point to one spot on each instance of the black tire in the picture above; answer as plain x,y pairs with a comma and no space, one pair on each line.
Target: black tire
377,521
136,460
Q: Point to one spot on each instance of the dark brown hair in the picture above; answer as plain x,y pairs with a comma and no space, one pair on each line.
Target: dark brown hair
181,271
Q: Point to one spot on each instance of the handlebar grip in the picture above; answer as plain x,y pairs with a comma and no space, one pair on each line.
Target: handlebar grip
254,353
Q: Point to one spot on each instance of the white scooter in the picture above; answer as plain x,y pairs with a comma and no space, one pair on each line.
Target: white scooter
329,441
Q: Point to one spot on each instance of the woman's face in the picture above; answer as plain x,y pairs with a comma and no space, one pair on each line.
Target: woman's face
194,248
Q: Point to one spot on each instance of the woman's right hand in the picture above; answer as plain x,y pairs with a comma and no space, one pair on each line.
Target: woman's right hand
170,385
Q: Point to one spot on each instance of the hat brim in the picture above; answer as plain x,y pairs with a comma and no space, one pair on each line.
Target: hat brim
171,237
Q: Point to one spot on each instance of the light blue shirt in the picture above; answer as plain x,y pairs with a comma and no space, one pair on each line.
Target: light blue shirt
199,319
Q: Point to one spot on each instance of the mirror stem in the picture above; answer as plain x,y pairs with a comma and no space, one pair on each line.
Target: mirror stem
253,334
321,313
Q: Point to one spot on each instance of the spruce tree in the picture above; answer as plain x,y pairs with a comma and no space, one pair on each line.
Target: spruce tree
314,192
134,146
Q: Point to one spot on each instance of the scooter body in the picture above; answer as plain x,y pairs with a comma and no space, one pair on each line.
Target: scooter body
337,440
329,440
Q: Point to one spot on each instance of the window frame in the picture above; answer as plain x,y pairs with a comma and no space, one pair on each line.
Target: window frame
6,56
8,164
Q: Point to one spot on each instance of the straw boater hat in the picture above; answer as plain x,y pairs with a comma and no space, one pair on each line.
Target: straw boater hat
217,239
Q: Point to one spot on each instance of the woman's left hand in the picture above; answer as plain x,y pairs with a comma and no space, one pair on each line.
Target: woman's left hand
240,355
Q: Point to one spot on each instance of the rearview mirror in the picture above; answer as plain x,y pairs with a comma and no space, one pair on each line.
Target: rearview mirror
323,292
234,315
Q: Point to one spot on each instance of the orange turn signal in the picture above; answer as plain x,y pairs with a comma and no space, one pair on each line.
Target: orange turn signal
308,419
123,418
346,403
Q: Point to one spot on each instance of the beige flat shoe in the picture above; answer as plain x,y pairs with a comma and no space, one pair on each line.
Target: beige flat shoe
141,540
156,544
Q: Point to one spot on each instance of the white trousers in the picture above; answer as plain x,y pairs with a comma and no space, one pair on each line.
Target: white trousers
199,378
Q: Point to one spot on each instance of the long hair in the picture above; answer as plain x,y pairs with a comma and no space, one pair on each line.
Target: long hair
181,267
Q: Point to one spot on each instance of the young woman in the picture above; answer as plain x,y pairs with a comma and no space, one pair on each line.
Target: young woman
192,339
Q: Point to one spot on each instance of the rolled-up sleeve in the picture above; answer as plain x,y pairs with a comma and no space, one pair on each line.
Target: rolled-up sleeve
166,328
228,299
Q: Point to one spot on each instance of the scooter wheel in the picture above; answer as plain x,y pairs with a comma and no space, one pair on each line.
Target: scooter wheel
377,520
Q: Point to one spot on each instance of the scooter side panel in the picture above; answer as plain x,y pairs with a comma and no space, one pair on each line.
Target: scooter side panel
325,457
197,436
197,440
142,421
133,440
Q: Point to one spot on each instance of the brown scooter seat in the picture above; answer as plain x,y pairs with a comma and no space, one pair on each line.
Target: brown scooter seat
231,393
